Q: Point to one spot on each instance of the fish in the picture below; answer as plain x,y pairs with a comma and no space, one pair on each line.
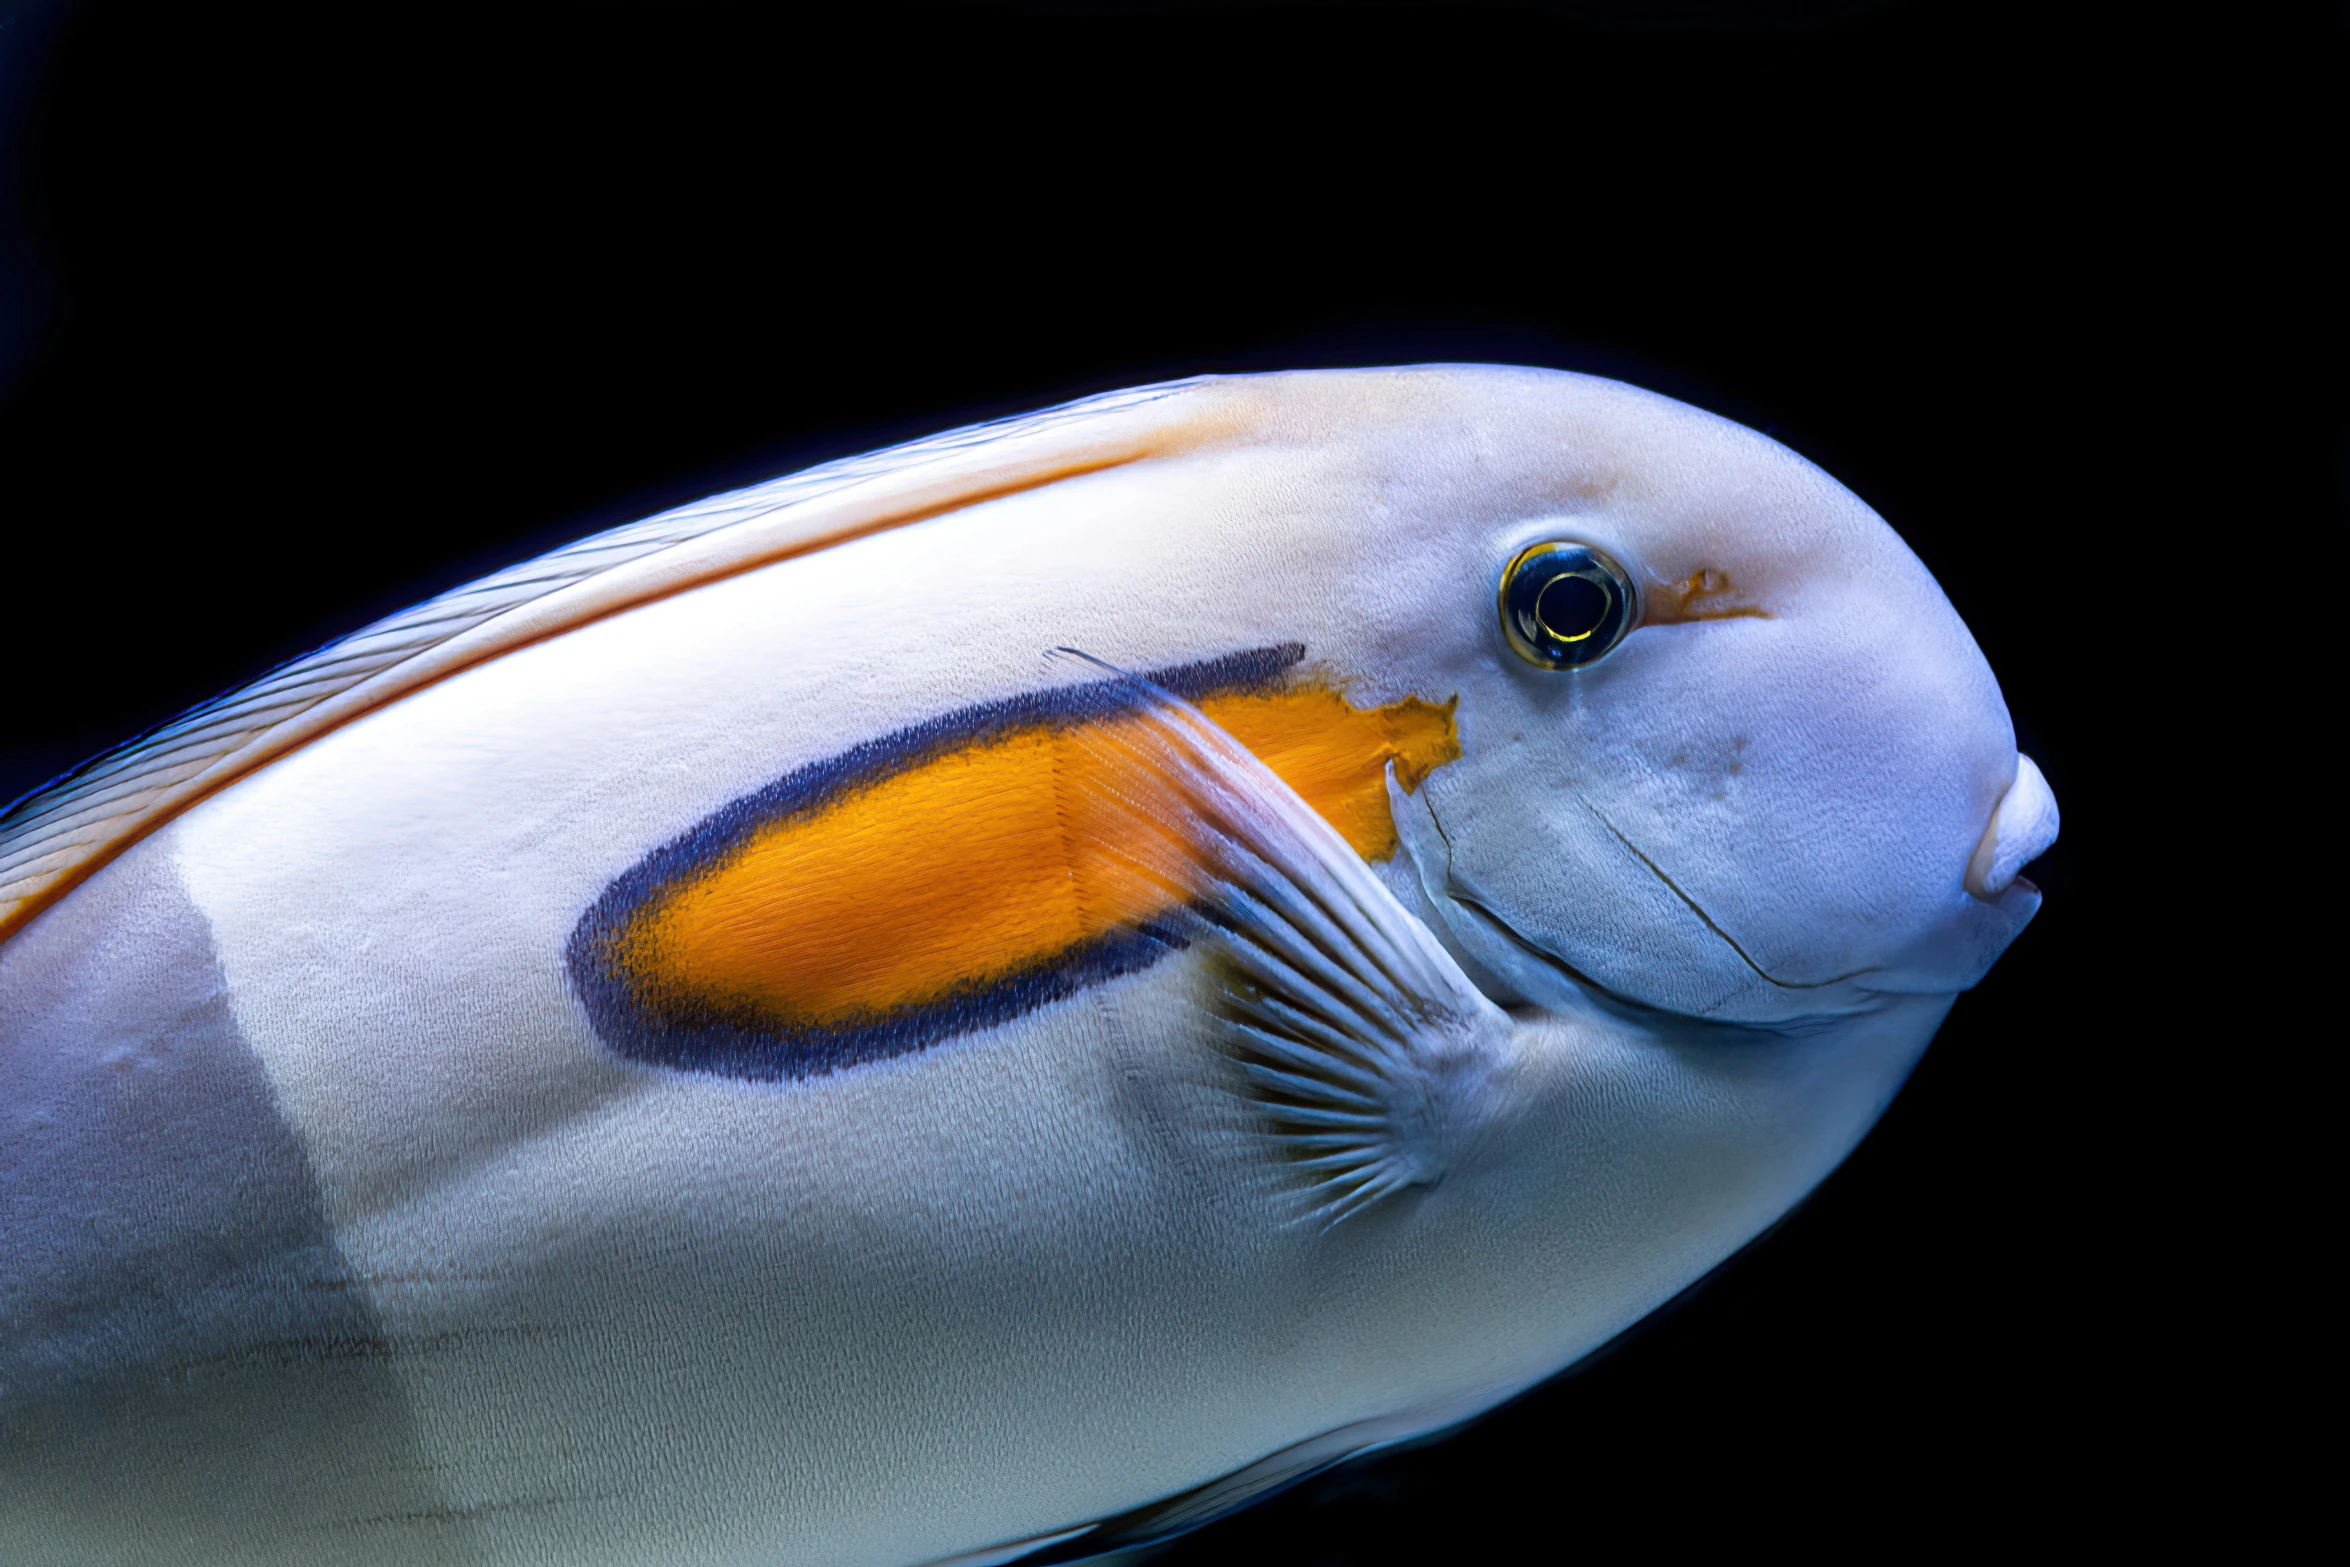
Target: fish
992,1001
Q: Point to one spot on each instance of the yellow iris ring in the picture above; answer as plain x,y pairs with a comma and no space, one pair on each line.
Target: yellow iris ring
1538,642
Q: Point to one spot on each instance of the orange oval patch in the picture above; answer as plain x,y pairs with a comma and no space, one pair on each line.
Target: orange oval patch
940,880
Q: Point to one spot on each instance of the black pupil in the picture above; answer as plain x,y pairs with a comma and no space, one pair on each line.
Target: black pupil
1570,608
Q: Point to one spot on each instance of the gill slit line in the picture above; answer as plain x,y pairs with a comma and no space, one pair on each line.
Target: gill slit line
1508,933
1467,899
1697,909
1464,898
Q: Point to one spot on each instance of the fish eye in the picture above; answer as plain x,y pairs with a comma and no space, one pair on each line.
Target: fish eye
1565,605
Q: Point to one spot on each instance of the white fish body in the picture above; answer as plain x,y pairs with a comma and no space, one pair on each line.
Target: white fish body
341,1225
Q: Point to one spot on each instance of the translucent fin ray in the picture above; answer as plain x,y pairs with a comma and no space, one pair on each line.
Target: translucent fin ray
1362,1049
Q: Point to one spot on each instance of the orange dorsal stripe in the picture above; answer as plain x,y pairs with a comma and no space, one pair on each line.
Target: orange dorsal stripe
981,864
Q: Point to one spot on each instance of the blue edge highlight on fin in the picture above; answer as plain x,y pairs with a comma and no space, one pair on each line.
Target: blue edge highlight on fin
741,1043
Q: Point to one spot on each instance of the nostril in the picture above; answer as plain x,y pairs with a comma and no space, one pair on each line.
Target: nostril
2022,828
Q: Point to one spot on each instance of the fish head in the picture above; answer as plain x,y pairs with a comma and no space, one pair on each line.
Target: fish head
1781,787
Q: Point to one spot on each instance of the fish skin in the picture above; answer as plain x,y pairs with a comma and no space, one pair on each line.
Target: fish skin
561,1306
181,1326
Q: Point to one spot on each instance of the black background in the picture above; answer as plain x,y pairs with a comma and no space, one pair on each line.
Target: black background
313,312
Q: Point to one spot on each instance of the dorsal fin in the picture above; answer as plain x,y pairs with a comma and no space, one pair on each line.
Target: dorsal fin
54,837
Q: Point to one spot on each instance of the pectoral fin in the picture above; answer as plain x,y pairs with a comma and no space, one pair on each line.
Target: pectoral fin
1366,1053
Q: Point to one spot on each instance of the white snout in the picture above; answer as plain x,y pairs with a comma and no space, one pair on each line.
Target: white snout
2021,830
